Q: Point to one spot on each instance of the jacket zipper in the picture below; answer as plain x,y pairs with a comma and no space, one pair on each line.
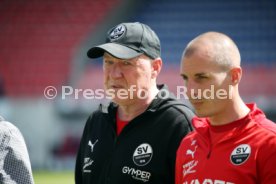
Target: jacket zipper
207,140
107,175
211,146
209,152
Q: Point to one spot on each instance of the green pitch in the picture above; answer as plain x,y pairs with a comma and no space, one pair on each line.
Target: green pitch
50,177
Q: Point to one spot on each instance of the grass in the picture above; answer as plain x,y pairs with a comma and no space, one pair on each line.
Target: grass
51,177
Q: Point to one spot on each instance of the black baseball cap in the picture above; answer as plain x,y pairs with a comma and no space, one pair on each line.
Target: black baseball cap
129,40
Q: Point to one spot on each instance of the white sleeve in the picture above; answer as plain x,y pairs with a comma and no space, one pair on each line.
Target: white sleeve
15,167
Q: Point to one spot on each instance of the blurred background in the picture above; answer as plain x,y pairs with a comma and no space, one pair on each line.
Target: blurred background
44,43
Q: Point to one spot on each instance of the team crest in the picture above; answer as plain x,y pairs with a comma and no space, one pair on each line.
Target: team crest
240,154
142,154
117,32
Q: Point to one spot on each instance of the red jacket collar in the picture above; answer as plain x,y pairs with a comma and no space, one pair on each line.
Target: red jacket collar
202,124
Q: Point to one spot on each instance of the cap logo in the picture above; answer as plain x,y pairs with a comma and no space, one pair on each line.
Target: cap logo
117,32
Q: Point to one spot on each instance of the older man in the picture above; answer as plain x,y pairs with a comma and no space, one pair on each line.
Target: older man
134,139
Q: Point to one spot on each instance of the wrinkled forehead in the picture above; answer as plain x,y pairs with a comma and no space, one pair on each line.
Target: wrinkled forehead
109,56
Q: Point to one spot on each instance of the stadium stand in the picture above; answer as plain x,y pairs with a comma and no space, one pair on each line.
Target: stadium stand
251,23
38,39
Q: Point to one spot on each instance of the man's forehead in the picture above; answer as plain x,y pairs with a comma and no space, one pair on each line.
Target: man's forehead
109,56
196,66
197,72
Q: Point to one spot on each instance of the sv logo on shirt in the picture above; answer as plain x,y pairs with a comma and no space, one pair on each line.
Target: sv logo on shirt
142,154
240,154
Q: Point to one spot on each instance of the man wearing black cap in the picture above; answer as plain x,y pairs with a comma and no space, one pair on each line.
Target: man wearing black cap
135,138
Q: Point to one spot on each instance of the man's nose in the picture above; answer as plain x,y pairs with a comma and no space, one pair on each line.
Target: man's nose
192,89
115,71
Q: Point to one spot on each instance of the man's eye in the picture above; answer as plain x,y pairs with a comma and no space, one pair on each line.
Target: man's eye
125,62
201,77
108,62
185,78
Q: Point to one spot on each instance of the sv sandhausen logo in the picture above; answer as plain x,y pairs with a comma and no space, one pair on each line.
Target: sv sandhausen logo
142,154
240,154
117,32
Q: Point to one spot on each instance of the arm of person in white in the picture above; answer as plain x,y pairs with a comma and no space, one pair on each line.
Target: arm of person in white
15,167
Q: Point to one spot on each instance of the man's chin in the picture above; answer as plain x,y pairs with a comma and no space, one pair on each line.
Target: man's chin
121,101
200,114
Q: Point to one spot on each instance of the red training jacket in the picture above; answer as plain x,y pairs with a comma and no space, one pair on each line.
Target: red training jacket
241,152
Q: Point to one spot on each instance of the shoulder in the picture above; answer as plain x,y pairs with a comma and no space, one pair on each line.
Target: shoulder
177,107
101,112
187,140
98,117
258,117
10,136
185,110
263,135
267,134
94,117
264,139
183,113
267,126
7,128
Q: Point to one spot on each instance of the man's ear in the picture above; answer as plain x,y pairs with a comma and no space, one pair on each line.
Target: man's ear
236,75
156,67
